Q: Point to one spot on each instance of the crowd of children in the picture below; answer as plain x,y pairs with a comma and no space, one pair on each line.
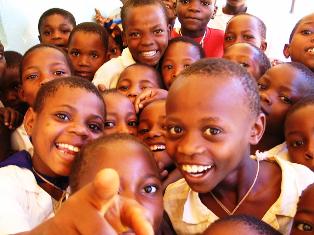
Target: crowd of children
153,129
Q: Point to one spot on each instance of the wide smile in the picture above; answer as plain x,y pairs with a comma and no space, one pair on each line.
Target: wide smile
68,151
149,54
157,147
196,171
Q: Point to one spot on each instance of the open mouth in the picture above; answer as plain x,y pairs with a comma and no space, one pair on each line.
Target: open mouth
196,170
83,74
149,54
157,147
67,149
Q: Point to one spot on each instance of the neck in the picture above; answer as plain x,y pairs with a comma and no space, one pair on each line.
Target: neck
192,34
232,10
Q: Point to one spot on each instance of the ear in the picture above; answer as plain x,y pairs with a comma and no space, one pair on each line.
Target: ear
263,46
29,120
286,50
39,38
258,129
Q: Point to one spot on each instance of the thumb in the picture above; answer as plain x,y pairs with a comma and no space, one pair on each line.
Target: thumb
101,87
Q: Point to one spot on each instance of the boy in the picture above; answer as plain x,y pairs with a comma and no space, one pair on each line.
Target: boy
2,65
211,148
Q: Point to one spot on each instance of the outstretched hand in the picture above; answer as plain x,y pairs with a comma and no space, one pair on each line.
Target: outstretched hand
147,96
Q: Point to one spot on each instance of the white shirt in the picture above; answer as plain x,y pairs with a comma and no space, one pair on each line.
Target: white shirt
189,215
108,74
220,20
20,140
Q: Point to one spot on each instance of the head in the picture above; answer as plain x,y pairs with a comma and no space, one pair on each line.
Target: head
236,3
114,48
246,28
67,114
133,161
304,218
242,224
88,46
253,59
210,89
194,15
120,113
181,53
281,87
2,62
137,77
145,30
171,10
152,130
11,80
298,132
40,64
55,26
301,42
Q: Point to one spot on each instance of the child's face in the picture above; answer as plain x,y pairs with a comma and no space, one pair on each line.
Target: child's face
40,66
244,28
245,55
67,121
135,79
279,88
146,33
139,176
304,219
177,57
55,29
171,9
299,136
113,49
120,115
152,130
301,47
10,87
87,54
2,61
194,15
207,137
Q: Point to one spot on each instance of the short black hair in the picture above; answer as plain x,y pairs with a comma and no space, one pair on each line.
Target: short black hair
85,156
129,4
259,226
261,25
13,58
307,74
92,27
219,69
50,88
56,11
43,45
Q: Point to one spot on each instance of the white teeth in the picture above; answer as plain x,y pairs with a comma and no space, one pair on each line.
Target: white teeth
149,53
157,147
194,169
69,147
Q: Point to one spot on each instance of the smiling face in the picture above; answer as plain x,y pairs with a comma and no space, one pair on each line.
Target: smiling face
10,87
87,53
178,56
244,28
194,15
139,175
303,223
120,115
301,47
40,66
202,145
68,120
134,79
245,55
299,128
279,88
55,29
146,37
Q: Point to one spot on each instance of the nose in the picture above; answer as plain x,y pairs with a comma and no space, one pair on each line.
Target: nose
46,78
83,61
194,6
265,97
191,145
146,39
123,128
154,132
56,35
134,92
79,129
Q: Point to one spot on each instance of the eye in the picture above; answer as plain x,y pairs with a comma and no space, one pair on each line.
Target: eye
47,33
109,124
306,32
150,189
248,37
134,34
168,66
184,1
123,88
143,131
95,127
297,143
206,3
94,55
59,73
228,38
210,131
303,226
186,66
31,77
132,123
244,65
63,116
285,99
261,86
175,130
75,53
65,31
158,31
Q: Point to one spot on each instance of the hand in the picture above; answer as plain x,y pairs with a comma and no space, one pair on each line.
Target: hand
10,117
99,18
101,87
147,96
84,212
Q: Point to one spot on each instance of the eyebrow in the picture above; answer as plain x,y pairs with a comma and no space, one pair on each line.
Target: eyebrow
53,64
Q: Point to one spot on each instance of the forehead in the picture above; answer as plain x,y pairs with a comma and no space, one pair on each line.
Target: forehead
283,73
55,19
154,109
44,55
307,20
306,199
182,48
137,73
86,39
117,102
244,22
302,114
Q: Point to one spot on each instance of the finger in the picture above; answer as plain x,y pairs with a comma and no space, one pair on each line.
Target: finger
101,87
7,117
140,98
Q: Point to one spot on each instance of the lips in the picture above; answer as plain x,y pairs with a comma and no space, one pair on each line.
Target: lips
149,54
68,151
84,73
157,147
196,170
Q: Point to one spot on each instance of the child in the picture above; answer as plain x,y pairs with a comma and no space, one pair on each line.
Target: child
137,77
55,26
88,47
194,16
300,47
246,28
152,130
181,53
280,87
304,217
212,117
2,65
240,224
120,113
298,132
40,64
133,161
171,11
146,34
67,113
250,57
